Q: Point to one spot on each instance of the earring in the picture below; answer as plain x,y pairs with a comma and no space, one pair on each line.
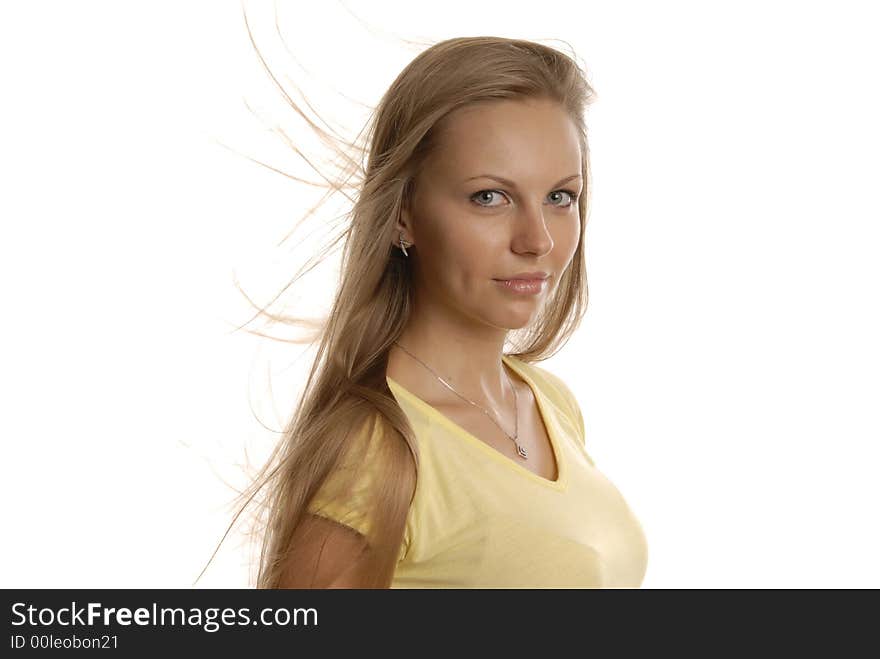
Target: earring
403,244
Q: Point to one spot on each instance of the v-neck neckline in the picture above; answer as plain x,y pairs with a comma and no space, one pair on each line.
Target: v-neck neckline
493,453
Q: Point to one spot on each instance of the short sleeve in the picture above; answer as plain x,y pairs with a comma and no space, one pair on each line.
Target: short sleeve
347,495
355,471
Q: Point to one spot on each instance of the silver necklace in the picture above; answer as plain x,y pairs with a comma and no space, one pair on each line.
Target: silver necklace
520,449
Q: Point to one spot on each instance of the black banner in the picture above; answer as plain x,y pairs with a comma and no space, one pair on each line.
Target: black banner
135,622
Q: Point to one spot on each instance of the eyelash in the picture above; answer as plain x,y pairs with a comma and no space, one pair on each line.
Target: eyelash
570,193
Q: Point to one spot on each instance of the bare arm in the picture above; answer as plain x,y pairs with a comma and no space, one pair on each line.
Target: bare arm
324,554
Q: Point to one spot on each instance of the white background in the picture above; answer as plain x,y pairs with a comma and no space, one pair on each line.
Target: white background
727,367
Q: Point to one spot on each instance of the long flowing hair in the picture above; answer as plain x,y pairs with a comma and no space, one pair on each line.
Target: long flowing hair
346,389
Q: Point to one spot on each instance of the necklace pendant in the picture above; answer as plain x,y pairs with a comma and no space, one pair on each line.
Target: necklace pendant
521,451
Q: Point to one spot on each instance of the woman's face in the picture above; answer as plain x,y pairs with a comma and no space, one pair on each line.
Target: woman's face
470,230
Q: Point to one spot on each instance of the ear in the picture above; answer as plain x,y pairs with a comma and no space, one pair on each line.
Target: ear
404,226
404,223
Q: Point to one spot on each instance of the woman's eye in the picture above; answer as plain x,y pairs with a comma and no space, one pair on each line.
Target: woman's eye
482,195
572,196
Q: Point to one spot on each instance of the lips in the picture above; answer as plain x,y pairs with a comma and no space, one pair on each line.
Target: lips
523,286
526,276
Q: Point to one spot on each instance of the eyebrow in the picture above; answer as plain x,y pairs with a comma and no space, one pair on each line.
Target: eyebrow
510,183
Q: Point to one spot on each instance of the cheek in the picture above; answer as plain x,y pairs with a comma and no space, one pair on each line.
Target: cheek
462,252
453,265
567,242
477,257
467,270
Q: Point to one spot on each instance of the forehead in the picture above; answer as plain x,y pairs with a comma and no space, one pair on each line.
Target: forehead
518,139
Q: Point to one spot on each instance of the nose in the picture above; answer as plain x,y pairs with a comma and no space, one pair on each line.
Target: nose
530,232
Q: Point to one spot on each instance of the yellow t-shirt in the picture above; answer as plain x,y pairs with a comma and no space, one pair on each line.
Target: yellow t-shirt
481,520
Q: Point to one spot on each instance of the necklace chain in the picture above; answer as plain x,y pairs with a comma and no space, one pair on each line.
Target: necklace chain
520,450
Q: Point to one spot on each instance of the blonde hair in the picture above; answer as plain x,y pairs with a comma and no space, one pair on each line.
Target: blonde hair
346,390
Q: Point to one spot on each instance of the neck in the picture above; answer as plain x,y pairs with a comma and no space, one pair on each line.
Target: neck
469,361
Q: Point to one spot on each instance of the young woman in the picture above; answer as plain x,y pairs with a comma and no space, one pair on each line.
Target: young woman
423,454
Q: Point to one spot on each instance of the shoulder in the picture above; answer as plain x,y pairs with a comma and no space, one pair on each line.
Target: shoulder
559,393
367,449
552,385
372,473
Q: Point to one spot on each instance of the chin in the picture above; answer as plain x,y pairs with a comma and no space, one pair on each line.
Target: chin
516,321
